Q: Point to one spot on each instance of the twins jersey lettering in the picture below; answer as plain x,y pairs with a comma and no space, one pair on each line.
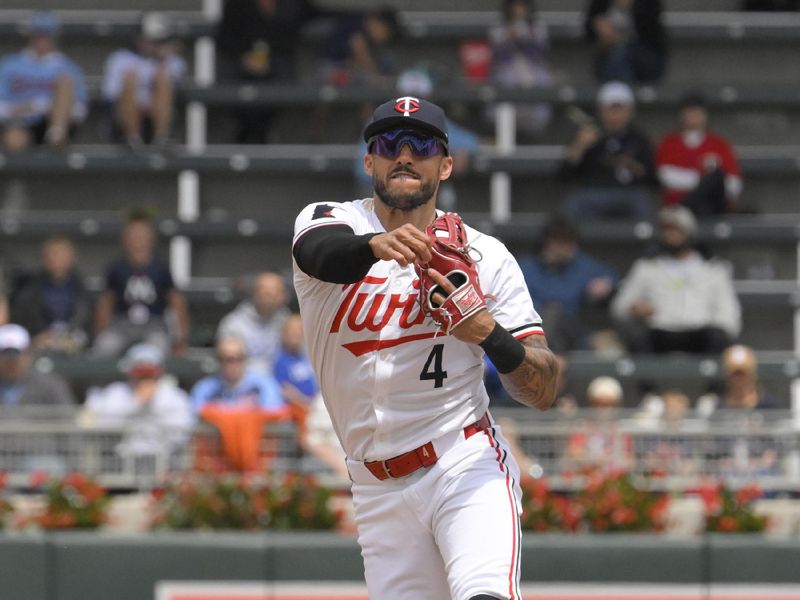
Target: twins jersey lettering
390,380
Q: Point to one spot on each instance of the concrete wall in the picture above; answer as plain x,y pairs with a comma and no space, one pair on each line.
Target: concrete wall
88,566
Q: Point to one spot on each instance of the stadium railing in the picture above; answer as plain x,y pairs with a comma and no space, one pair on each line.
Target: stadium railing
326,159
735,447
701,26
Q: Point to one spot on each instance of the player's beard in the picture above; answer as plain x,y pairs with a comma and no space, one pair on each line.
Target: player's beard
404,201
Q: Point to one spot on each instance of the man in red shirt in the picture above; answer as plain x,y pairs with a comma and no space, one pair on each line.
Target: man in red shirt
697,167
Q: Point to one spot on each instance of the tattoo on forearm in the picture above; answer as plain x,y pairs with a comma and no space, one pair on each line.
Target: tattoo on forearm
533,383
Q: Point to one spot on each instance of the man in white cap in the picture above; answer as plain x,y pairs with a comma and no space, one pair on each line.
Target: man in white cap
21,385
610,162
677,300
598,442
154,411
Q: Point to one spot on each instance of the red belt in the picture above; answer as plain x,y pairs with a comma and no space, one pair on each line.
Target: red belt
424,456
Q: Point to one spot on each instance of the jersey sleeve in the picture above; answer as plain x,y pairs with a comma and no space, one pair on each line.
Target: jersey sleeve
507,296
322,214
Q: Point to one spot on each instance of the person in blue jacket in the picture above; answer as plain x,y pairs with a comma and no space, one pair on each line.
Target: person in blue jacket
234,385
563,280
42,92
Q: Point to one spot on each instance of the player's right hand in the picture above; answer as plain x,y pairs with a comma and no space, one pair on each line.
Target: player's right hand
404,245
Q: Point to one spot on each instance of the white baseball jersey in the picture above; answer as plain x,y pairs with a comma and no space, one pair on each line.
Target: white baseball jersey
390,381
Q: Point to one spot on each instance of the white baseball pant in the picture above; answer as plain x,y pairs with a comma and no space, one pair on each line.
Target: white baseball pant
447,532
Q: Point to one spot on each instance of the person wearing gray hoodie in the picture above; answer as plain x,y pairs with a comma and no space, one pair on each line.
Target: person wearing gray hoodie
259,321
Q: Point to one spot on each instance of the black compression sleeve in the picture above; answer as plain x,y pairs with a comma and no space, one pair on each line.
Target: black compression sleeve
334,254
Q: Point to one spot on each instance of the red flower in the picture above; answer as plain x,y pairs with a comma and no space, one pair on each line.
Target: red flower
92,492
75,480
623,516
38,478
745,495
538,489
728,523
711,496
658,510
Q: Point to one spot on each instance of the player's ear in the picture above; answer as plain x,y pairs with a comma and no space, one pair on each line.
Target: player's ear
369,163
445,168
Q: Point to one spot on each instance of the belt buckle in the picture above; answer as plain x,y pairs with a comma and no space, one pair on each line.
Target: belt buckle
386,470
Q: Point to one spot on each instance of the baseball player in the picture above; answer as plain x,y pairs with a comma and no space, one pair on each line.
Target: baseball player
398,346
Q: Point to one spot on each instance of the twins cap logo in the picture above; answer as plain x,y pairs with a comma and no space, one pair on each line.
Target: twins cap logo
407,105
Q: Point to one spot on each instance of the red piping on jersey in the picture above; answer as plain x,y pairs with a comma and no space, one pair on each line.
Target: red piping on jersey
524,335
366,346
514,517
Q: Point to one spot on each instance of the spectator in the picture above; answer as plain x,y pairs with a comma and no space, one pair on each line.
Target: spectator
259,321
676,408
320,439
612,162
669,454
599,443
42,92
564,280
664,410
747,451
293,370
678,300
139,85
295,375
236,386
741,388
22,386
697,167
360,49
257,41
519,47
629,40
53,305
139,290
239,401
155,413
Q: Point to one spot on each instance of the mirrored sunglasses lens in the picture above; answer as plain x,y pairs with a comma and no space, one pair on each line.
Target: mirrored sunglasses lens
390,144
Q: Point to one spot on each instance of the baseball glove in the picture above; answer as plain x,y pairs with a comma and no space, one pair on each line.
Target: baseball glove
451,257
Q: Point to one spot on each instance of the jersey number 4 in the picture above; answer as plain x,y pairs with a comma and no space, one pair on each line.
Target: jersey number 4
433,367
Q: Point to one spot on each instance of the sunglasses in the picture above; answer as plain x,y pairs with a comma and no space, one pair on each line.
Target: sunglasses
390,143
227,359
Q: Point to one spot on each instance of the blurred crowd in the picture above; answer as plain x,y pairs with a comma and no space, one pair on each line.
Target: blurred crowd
676,298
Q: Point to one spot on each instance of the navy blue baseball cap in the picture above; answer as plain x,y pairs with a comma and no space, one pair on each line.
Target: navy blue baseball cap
408,112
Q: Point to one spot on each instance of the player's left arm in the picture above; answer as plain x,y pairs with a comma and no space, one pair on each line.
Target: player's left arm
527,368
533,382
